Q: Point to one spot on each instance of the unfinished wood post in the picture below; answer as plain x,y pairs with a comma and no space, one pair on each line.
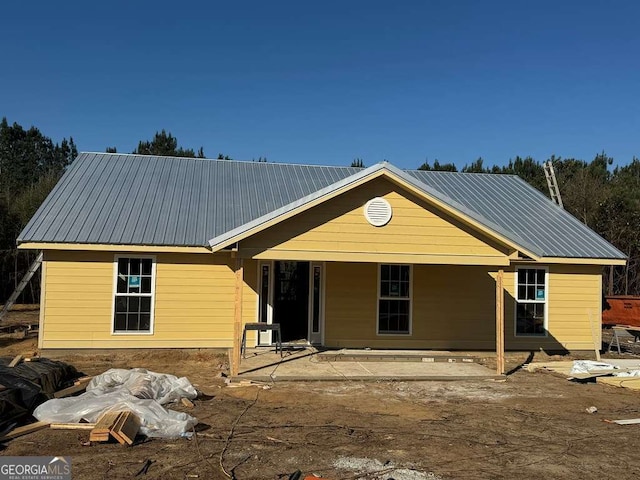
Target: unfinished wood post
237,319
500,322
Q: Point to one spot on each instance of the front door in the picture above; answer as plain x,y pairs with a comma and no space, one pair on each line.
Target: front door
291,299
292,294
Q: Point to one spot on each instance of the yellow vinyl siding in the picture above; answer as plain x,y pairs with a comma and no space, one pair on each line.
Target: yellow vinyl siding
575,292
453,307
194,301
337,230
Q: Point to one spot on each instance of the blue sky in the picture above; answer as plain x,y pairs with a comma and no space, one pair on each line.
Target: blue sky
325,82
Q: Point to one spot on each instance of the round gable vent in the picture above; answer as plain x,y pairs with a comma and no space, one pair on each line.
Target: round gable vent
377,211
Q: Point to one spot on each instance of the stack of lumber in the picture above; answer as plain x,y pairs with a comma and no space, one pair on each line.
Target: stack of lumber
122,426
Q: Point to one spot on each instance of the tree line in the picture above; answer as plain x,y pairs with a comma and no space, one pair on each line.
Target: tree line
606,199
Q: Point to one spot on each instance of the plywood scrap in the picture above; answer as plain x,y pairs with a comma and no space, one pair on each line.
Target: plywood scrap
632,383
16,360
629,421
24,430
78,386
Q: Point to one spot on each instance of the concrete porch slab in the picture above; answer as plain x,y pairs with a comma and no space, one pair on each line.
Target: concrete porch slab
369,355
267,366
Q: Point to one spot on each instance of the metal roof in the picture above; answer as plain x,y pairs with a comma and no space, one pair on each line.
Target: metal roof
169,201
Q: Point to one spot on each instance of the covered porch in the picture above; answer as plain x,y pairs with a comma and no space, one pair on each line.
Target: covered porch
363,306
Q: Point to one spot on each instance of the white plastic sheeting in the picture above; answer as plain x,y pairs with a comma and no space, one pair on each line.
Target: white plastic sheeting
139,390
589,366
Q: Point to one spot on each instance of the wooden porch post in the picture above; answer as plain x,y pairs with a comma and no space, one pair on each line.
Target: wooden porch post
500,322
237,319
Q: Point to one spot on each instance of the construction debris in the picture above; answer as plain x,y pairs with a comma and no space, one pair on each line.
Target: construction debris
122,426
78,386
187,403
630,421
632,383
16,360
145,468
246,383
102,430
72,426
137,391
27,384
621,373
24,430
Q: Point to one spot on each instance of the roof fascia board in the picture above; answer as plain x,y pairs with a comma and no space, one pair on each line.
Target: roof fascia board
580,261
112,247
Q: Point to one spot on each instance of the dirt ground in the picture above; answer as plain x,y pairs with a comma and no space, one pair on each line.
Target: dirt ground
531,426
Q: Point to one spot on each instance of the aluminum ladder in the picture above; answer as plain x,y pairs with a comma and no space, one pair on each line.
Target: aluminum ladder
554,191
33,268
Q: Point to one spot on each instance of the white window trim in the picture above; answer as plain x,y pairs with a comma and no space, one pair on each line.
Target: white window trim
378,298
271,265
546,302
115,293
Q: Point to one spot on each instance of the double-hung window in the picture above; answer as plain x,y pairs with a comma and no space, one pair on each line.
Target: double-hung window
394,299
531,301
135,280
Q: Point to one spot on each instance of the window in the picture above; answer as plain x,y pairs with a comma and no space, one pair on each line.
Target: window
394,299
133,311
531,301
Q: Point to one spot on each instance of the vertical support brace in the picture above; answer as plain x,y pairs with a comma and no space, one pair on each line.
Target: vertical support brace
237,318
500,322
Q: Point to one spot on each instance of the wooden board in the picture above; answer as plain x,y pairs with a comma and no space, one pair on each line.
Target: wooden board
78,386
72,426
24,430
632,383
16,360
562,367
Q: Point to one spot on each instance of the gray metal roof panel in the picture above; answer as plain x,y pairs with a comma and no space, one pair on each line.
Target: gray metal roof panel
147,200
517,207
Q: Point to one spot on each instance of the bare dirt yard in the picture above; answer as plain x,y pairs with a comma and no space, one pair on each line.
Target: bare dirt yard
530,426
